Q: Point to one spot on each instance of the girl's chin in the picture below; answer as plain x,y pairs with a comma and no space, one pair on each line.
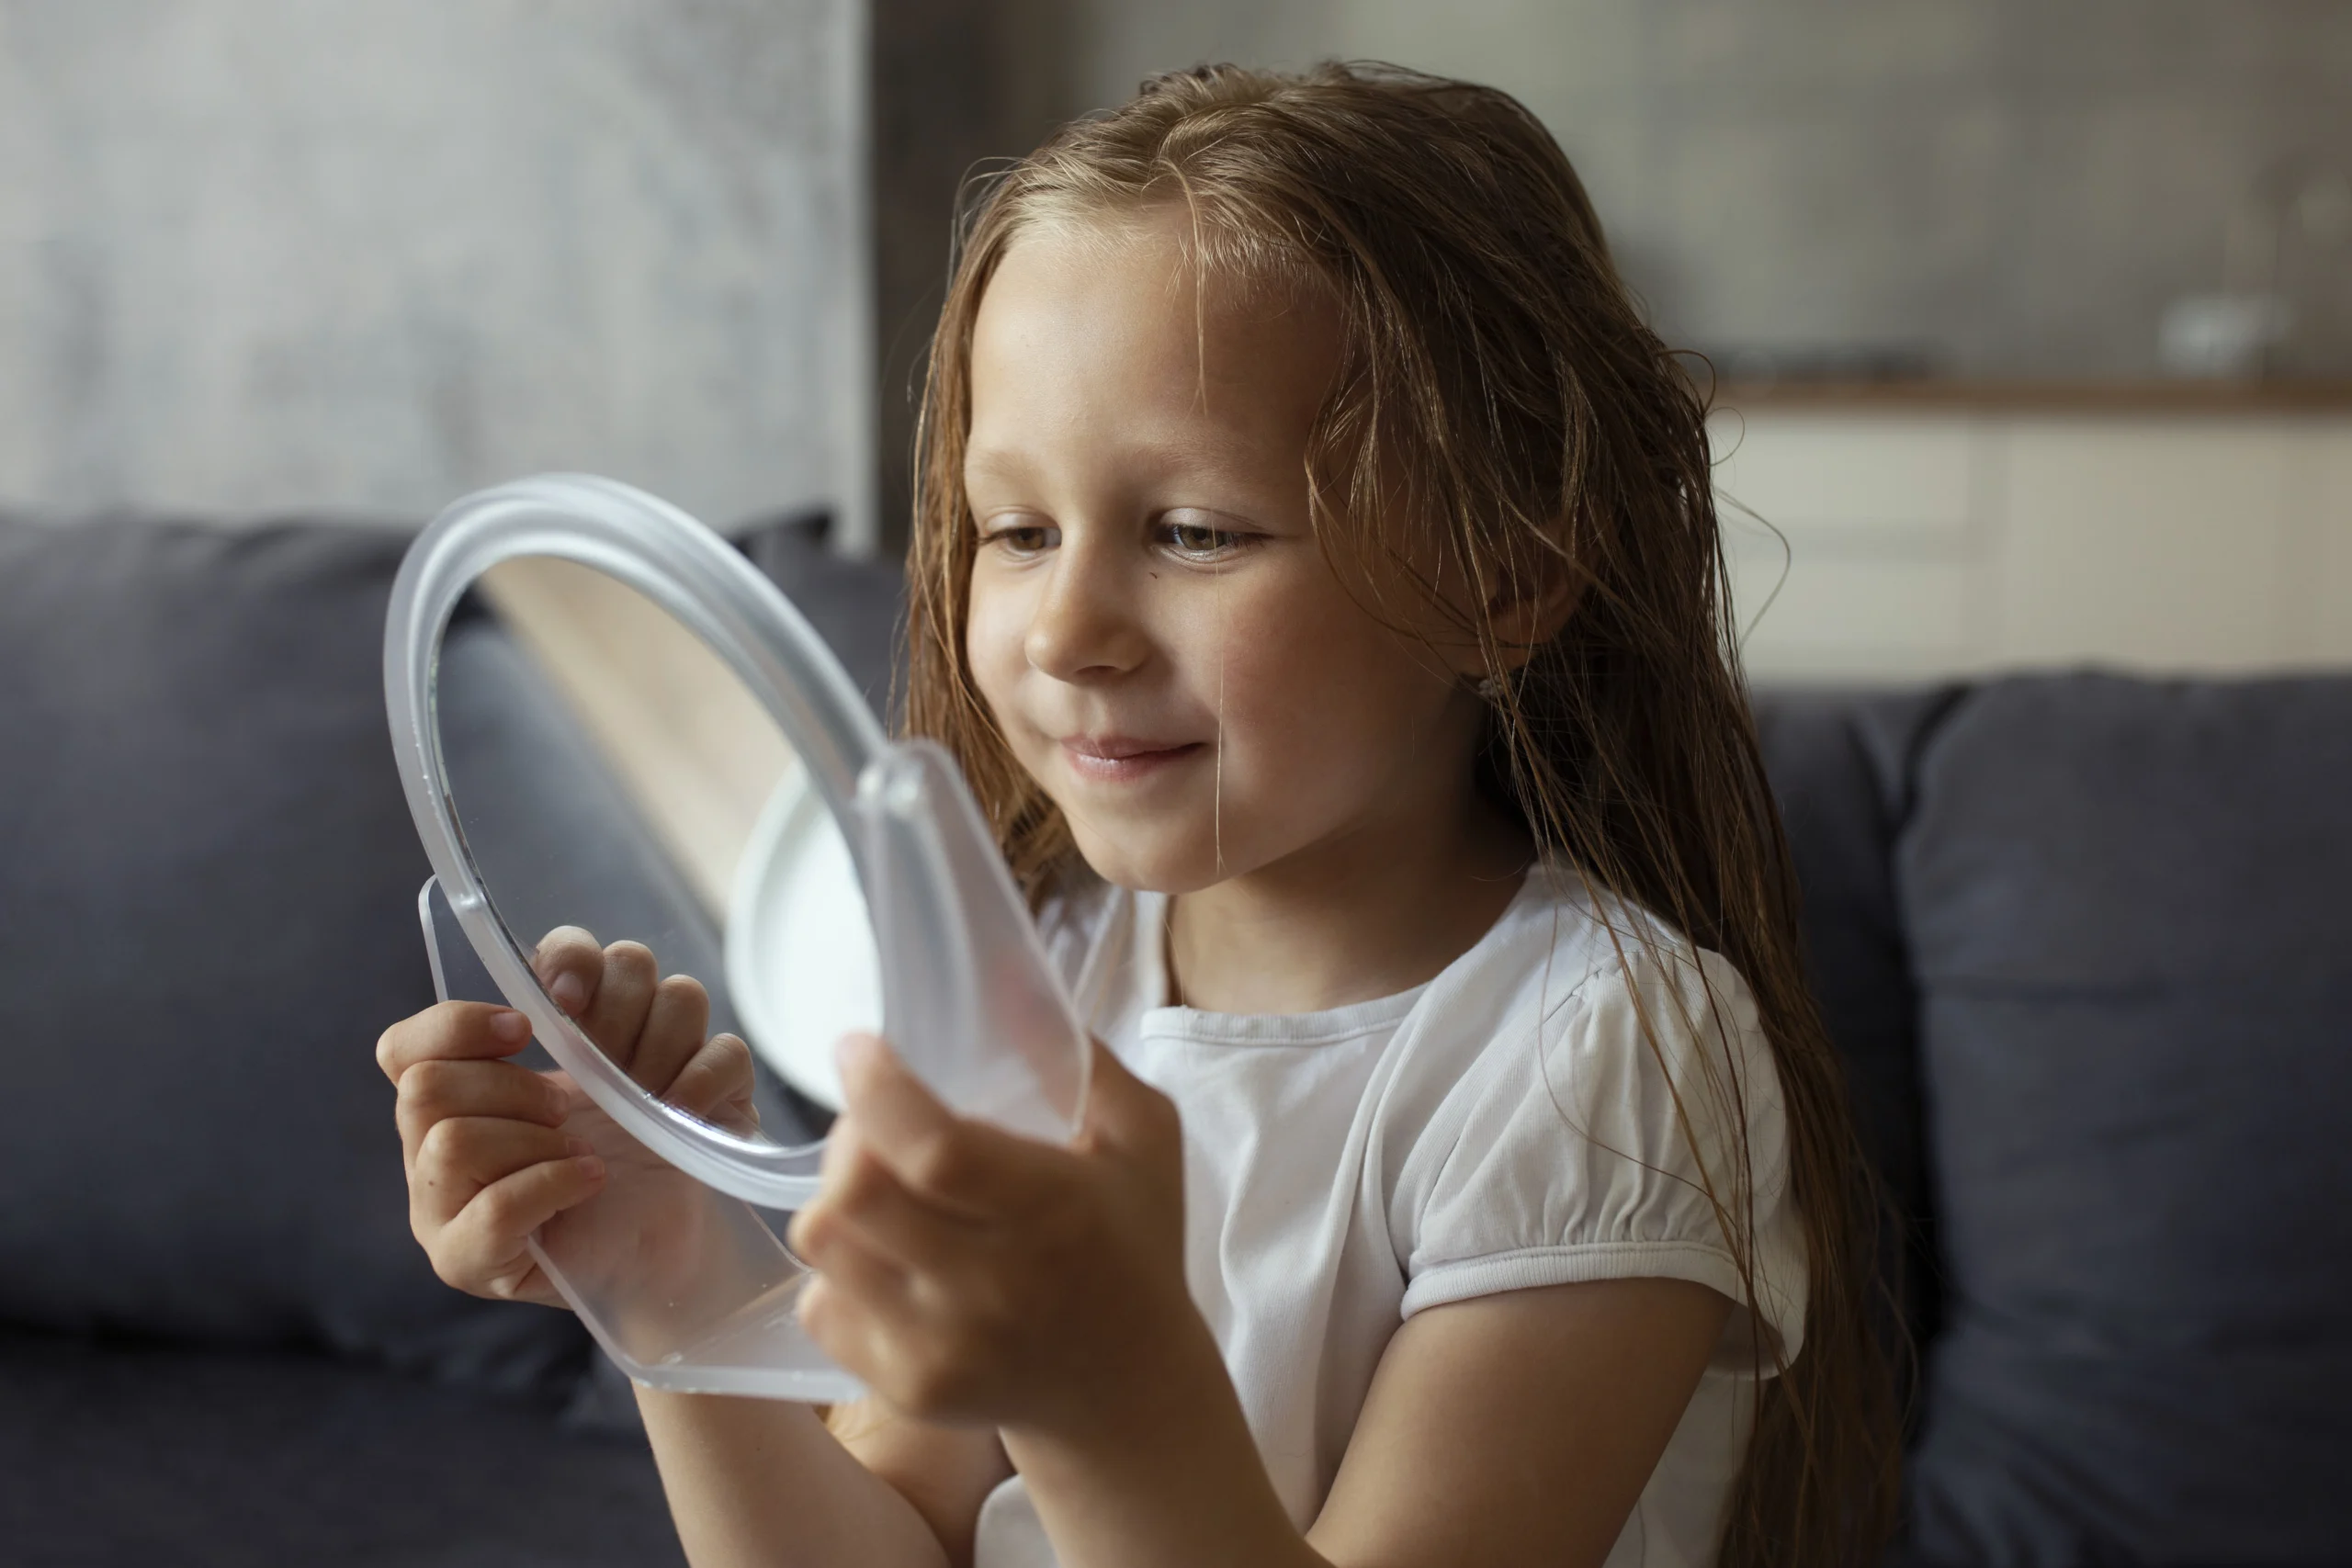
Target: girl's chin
1172,867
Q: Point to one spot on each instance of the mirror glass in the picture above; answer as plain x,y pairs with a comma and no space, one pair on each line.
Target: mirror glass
611,776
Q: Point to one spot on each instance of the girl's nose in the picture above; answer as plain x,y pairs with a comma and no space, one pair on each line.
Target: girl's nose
1084,627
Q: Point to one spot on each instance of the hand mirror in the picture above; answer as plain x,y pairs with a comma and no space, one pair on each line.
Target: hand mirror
613,730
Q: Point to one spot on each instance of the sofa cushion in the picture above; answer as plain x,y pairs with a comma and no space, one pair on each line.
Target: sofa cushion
857,606
2127,913
209,913
1842,766
118,1454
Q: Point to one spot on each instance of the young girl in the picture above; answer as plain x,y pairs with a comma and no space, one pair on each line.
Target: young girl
1317,577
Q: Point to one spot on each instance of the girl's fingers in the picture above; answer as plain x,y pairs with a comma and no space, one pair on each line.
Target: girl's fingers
570,964
616,1016
834,1248
449,1032
436,1090
948,1159
1124,1112
460,1158
608,990
841,1148
671,1033
716,1083
856,1299
482,1248
865,1205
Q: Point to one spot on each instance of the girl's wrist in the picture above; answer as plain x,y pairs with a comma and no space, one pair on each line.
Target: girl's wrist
1158,1466
1157,1381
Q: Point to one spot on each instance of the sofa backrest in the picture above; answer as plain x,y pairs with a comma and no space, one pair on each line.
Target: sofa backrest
2118,910
1842,766
208,912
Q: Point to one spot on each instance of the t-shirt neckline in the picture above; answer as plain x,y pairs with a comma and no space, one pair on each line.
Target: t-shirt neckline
1324,1026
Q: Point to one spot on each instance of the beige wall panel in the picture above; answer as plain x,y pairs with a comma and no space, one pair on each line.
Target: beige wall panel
1843,619
1882,474
2153,544
2325,515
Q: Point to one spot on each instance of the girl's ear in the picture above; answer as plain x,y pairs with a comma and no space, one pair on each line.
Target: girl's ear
1526,613
1520,609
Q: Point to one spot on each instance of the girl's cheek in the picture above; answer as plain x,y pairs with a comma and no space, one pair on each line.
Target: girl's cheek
993,631
1287,653
1280,695
1321,693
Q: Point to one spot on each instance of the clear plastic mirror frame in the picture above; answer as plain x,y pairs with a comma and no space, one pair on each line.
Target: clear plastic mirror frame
970,999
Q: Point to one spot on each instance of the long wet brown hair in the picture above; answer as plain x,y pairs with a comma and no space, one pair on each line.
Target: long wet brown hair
1502,408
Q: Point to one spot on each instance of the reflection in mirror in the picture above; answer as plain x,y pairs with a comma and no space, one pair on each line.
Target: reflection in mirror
615,782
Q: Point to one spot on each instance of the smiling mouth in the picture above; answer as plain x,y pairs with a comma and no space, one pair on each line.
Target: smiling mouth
1118,760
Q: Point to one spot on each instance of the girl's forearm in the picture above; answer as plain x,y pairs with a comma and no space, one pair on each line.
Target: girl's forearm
1163,1474
761,1483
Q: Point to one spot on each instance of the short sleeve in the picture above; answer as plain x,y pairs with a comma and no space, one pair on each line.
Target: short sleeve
1612,1151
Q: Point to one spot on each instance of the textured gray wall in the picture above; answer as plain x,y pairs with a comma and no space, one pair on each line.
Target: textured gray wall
2019,186
270,255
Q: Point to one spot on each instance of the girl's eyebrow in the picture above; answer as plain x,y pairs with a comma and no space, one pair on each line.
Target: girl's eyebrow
994,460
1212,449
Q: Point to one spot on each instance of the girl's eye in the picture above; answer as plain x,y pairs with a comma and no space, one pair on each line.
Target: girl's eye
1023,539
1197,540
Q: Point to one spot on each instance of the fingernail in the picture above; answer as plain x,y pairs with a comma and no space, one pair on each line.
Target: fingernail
511,1027
851,1051
576,1147
570,992
590,1167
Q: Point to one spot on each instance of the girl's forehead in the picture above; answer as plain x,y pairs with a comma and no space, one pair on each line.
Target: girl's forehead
1146,270
1079,314
1190,251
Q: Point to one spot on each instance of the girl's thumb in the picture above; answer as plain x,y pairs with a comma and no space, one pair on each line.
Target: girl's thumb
1124,1112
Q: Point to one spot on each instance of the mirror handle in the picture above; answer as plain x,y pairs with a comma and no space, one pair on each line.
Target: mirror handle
970,998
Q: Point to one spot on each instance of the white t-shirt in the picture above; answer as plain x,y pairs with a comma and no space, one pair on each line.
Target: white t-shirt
1346,1169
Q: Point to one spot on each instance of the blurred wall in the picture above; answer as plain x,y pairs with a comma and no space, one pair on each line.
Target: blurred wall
259,256
2009,187
954,84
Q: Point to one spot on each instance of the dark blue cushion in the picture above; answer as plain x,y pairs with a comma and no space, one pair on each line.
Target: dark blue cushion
208,912
857,606
1842,766
120,1456
2127,907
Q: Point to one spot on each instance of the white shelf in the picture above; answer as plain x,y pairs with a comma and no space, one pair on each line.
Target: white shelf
1948,541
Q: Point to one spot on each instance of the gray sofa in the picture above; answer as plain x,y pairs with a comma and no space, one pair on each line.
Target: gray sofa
2086,946
2084,942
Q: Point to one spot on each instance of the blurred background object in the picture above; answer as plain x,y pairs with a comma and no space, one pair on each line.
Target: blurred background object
1944,255
263,256
2030,321
2288,237
1998,188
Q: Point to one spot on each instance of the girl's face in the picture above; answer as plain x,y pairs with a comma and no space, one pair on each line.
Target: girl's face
1152,621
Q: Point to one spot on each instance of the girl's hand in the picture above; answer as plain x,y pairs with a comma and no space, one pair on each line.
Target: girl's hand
482,1141
966,1273
651,1025
494,1151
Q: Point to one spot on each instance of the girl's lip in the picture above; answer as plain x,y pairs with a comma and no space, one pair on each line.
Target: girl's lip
1114,757
1115,748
